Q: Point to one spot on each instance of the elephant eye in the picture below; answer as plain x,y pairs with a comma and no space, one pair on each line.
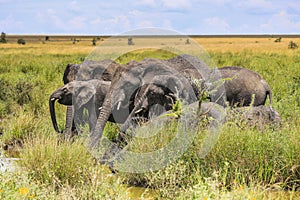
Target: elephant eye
65,90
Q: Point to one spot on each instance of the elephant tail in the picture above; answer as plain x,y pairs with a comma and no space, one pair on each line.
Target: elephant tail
269,92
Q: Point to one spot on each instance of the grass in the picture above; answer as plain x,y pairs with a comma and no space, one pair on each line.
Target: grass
246,163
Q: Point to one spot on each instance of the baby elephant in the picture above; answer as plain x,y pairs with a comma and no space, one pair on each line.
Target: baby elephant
244,86
82,95
255,116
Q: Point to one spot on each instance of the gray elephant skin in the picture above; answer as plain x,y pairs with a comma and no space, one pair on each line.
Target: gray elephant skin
126,84
242,84
102,70
254,116
158,98
82,95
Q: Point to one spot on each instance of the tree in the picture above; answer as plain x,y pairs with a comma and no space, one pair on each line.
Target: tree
21,41
278,39
94,41
130,42
292,45
187,41
3,38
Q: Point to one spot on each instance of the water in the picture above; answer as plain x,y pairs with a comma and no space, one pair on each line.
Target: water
140,193
8,164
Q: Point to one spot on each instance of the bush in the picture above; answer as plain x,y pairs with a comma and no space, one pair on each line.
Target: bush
3,38
21,41
94,41
292,45
130,41
278,39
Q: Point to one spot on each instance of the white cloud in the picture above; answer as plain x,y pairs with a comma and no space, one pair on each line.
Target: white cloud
176,4
78,22
281,22
145,23
255,4
151,3
74,6
135,13
9,23
216,25
96,21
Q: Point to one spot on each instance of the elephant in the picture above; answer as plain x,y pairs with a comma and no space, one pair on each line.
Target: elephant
157,100
70,75
82,95
202,77
121,99
102,70
241,84
254,116
70,72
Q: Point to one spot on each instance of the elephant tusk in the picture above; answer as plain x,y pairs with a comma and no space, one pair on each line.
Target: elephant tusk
119,105
53,99
100,108
170,98
139,110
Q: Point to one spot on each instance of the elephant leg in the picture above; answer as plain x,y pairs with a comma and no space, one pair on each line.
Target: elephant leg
78,120
69,122
92,117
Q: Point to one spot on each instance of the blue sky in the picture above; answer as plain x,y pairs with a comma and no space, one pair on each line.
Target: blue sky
112,17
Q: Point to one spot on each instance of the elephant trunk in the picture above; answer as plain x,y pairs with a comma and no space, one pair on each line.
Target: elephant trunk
52,113
101,122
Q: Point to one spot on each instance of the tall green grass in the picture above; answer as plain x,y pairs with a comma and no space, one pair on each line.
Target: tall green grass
242,162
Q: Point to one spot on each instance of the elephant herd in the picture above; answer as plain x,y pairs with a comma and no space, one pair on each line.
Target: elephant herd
108,91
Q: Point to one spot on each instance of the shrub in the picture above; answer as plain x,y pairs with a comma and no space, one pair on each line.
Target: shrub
21,41
3,38
94,41
292,45
130,41
278,39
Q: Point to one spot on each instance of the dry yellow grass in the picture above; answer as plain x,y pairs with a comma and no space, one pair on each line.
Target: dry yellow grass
259,45
211,44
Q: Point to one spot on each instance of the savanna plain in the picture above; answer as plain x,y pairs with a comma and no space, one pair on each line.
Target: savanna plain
247,162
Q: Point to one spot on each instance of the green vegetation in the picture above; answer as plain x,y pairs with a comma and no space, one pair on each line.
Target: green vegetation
246,163
292,45
3,38
21,41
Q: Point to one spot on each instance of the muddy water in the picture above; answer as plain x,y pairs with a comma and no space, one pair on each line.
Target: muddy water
8,164
135,193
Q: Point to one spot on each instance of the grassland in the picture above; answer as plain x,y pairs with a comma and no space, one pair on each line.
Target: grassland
246,163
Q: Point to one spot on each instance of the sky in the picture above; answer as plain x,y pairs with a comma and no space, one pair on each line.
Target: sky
114,17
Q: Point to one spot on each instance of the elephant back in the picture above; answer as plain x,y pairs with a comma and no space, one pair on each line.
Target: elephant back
101,70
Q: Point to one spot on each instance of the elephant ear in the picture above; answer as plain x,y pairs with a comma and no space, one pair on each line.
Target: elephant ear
179,86
83,94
